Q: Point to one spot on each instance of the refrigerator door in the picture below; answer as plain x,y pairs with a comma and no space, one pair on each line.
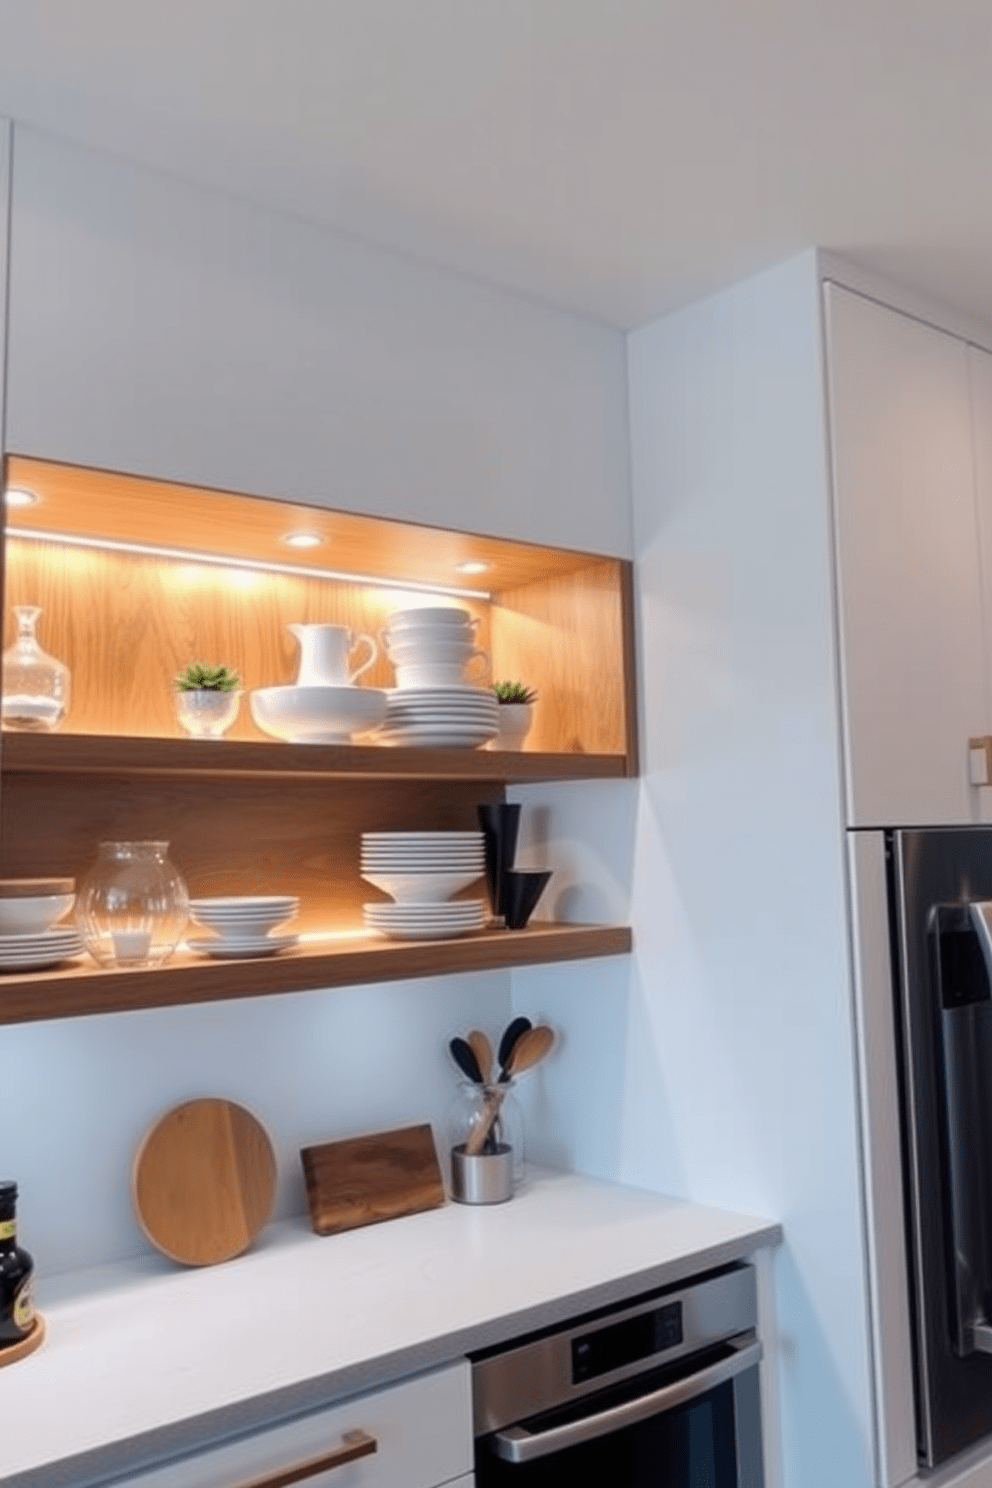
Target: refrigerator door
944,1026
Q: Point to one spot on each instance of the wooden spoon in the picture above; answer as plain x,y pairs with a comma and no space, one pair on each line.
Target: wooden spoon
483,1051
529,1049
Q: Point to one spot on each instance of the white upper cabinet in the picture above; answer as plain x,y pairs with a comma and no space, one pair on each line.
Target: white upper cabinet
909,571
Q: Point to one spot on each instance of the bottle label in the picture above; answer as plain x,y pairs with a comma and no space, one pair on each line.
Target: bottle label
23,1313
8,1229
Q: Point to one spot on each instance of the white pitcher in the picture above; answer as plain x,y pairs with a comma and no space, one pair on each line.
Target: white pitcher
324,653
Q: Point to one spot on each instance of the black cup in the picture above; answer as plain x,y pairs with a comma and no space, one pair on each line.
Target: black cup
521,891
500,823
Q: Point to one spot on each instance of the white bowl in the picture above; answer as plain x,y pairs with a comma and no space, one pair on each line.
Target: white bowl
34,914
421,888
317,715
432,617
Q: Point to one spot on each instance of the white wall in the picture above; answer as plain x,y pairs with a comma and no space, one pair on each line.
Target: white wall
739,1080
162,329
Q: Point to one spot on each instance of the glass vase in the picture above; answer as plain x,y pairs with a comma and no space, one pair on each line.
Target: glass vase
35,685
132,907
486,1171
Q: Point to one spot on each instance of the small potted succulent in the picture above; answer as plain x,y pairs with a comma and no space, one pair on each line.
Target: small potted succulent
207,699
516,713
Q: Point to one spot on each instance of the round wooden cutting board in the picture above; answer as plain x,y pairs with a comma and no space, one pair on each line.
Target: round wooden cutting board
204,1181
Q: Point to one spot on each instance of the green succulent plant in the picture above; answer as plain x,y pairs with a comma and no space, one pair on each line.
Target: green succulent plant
201,677
514,692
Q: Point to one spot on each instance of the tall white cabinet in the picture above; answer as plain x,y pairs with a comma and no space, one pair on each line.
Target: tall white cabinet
912,611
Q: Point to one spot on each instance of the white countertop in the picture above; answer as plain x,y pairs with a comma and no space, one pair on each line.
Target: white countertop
146,1358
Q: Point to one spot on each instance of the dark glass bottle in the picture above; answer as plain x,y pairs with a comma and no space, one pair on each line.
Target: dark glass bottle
16,1274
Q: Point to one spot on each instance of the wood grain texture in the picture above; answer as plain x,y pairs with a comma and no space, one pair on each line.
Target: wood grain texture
115,505
99,754
566,638
203,1182
126,623
346,961
231,835
365,1180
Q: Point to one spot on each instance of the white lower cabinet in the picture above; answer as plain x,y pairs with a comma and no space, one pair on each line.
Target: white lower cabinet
417,1434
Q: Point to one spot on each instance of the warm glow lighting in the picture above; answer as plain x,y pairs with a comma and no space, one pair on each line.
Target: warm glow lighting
303,539
249,565
472,566
16,496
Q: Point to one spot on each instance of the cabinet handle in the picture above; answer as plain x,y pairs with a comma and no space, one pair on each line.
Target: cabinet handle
354,1444
980,760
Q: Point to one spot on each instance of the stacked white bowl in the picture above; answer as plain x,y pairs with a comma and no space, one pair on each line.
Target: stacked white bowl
30,937
243,924
422,871
435,702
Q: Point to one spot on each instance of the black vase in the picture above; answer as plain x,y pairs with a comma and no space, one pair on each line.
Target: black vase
500,823
521,891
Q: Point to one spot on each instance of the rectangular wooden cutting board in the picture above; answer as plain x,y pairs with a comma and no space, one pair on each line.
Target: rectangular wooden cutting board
367,1179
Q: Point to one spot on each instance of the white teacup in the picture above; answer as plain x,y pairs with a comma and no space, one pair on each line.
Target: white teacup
434,616
452,652
438,674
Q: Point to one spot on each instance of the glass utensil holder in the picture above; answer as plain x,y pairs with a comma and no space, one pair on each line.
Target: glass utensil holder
486,1141
35,685
133,906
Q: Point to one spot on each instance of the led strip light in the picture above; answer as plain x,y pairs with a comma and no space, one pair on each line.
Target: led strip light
297,570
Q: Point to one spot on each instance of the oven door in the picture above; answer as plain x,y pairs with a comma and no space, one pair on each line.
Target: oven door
693,1425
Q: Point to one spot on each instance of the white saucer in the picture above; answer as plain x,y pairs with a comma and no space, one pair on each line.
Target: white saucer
256,945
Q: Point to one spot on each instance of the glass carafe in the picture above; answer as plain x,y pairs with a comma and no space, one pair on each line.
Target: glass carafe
35,685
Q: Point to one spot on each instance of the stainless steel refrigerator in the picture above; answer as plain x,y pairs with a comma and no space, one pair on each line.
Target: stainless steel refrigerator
940,916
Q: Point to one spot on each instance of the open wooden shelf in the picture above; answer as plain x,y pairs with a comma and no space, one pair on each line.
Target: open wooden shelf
346,960
136,577
100,754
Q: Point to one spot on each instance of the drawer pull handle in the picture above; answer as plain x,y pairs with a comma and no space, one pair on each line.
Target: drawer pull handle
354,1444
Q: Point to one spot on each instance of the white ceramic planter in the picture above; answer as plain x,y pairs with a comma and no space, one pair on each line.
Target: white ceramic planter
515,720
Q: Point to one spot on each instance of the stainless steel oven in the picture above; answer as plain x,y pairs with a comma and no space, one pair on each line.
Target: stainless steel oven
661,1392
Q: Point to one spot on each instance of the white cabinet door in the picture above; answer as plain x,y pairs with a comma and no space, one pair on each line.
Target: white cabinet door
417,1434
913,675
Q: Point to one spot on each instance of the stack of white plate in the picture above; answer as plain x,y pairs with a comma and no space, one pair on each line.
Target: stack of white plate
421,870
44,948
243,924
441,717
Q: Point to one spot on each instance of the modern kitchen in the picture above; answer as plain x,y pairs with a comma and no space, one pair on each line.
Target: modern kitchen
762,685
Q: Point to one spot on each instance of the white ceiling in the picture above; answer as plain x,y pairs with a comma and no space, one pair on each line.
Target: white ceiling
618,157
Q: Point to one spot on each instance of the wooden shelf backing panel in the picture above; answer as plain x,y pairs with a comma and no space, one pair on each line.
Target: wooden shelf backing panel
83,990
571,638
125,624
115,506
98,754
230,835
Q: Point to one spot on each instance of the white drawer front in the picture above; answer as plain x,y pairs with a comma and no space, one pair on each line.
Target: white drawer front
422,1430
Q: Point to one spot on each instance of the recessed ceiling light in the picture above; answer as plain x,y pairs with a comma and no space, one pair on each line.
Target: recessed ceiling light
472,566
17,496
303,539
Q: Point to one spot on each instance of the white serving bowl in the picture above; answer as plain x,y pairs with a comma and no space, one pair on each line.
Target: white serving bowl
245,915
317,715
34,914
421,888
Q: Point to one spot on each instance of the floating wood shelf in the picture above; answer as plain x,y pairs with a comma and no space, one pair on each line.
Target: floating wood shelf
137,577
100,754
346,960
